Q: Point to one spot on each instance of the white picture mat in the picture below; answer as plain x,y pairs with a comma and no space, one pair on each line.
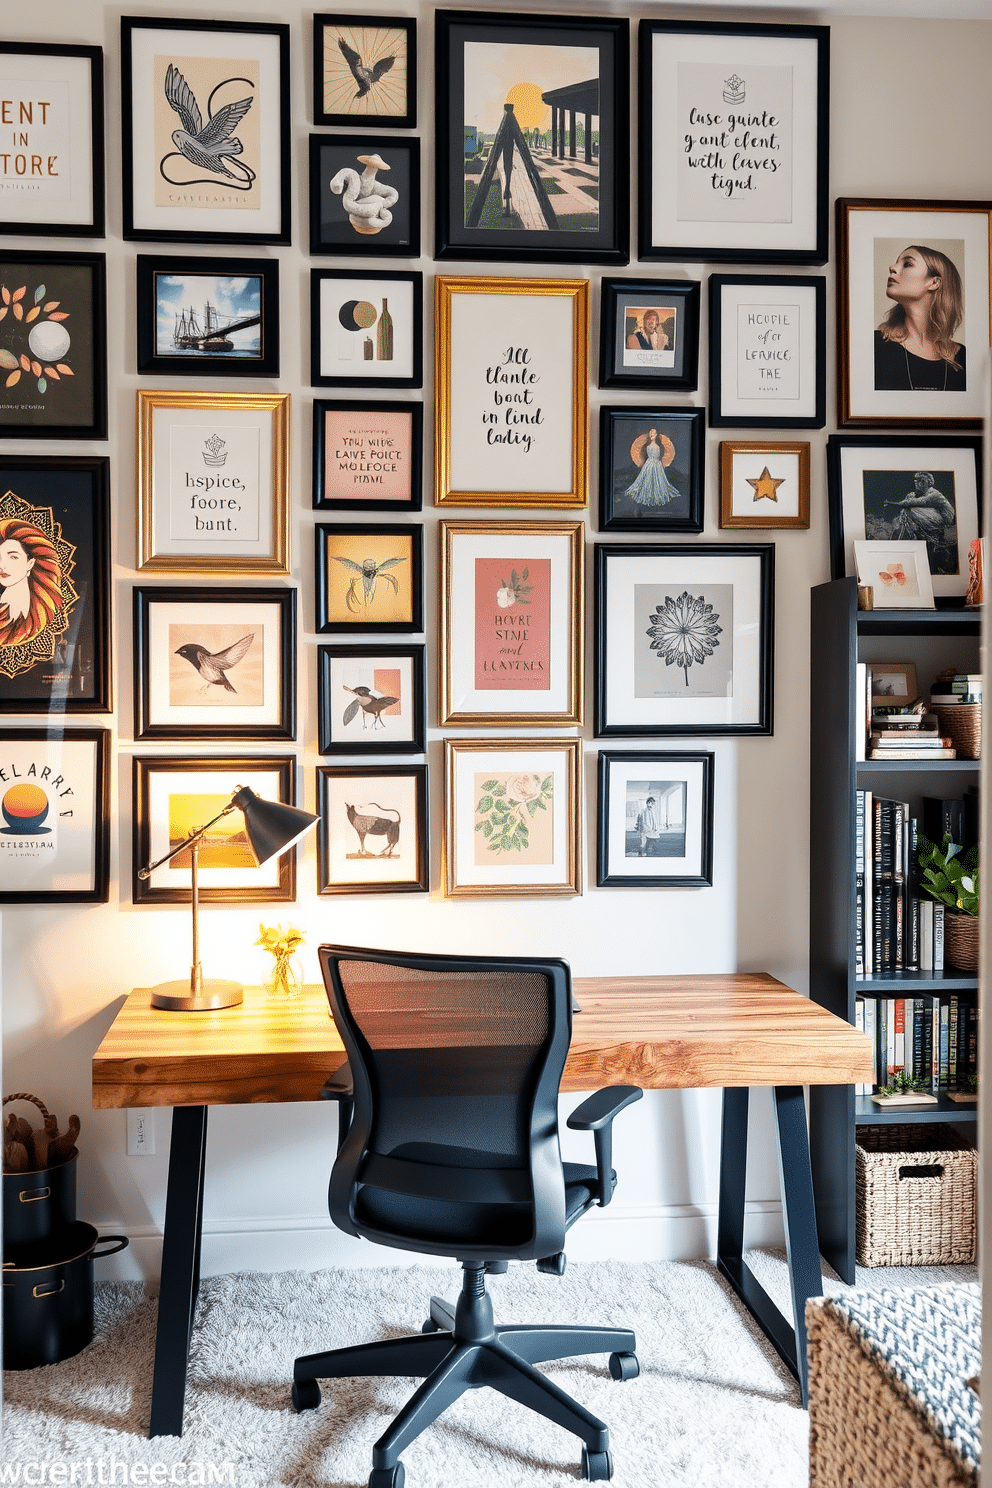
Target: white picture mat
691,863
467,764
342,839
65,82
69,864
792,401
184,428
359,671
869,557
782,465
335,340
265,620
164,783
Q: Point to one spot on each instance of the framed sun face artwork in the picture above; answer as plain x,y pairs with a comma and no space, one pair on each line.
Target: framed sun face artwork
51,166
203,317
55,813
651,469
372,834
365,70
655,820
371,699
367,455
366,329
369,579
53,345
365,195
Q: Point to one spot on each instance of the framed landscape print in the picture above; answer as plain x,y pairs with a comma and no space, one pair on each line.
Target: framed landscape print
651,469
511,623
365,70
764,484
684,638
366,328
213,482
208,317
912,300
655,820
372,834
53,345
54,584
205,130
367,455
369,579
214,663
898,573
733,132
51,166
767,342
365,195
371,699
512,392
649,333
55,810
532,137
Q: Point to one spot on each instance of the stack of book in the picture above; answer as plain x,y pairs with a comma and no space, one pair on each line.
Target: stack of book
931,1039
897,928
957,687
909,735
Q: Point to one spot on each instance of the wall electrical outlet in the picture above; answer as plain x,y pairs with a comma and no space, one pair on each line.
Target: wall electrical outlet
140,1133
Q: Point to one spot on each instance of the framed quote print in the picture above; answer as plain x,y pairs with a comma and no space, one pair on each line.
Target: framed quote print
55,810
655,820
372,834
767,334
367,455
365,70
51,166
366,328
208,317
371,699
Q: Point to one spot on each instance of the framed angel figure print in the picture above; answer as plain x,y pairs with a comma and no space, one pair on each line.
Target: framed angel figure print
369,578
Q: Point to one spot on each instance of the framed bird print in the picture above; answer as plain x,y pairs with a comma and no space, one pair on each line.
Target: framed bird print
370,699
369,578
205,130
214,663
365,69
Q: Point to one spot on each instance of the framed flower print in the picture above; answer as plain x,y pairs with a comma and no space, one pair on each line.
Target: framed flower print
372,835
371,699
51,169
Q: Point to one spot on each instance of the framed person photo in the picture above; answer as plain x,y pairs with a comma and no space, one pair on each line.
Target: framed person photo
912,298
511,818
372,834
764,484
51,166
55,813
897,488
365,195
655,821
205,130
767,343
511,386
367,455
651,469
532,137
733,132
366,328
649,333
365,70
208,317
213,482
371,699
897,572
684,638
369,579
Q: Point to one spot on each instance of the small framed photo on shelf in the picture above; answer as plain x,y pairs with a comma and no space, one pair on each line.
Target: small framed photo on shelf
893,684
55,807
764,485
898,572
649,333
52,174
364,195
365,70
371,700
651,469
367,455
208,317
369,579
767,343
655,821
372,834
366,328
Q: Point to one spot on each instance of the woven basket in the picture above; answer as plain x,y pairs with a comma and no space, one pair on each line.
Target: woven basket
961,940
962,723
909,1217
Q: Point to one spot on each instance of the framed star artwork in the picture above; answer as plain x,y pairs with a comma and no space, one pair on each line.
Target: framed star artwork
764,484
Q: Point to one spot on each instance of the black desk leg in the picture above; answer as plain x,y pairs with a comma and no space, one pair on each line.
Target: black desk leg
801,1245
180,1268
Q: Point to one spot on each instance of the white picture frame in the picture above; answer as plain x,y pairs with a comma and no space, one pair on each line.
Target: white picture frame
767,338
897,572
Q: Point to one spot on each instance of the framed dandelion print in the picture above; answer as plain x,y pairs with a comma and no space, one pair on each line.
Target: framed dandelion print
369,579
365,70
371,699
53,345
655,820
684,638
372,834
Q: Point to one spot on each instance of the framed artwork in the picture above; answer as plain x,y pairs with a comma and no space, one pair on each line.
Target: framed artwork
369,579
511,385
54,584
532,138
651,469
366,328
55,808
208,317
172,797
898,572
912,297
767,345
53,345
511,818
51,168
893,684
213,482
372,834
215,663
205,130
733,134
895,488
365,195
511,623
367,456
684,638
655,822
649,333
764,484
371,700
365,70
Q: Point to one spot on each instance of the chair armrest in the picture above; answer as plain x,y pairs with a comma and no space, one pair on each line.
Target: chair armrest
596,1114
339,1087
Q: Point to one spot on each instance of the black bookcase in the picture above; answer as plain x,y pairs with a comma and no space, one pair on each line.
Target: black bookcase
841,636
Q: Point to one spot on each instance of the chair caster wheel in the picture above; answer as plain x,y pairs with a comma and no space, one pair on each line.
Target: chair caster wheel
306,1395
429,1327
624,1366
387,1477
597,1467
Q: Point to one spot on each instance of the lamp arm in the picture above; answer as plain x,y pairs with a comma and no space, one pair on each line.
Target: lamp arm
196,836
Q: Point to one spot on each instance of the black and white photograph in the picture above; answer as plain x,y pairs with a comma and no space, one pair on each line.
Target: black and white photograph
655,819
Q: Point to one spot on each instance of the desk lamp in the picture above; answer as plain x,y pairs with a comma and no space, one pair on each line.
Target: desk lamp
271,828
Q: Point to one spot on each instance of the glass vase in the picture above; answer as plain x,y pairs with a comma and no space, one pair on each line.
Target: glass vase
286,979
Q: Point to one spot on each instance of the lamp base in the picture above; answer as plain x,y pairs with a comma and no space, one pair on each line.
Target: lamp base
211,994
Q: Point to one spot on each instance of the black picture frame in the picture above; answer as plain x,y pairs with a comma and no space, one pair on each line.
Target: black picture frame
385,446
622,303
365,542
387,99
67,500
640,490
50,763
328,304
687,844
386,824
605,168
792,310
361,729
186,360
332,232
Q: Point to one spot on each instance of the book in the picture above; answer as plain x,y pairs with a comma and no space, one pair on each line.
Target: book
859,883
859,1022
898,1034
861,690
952,1041
938,936
869,1008
921,752
945,1013
926,934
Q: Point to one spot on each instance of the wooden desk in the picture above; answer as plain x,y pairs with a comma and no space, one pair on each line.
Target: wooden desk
685,1032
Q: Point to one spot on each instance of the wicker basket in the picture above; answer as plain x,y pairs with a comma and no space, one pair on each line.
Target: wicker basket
961,940
962,723
915,1190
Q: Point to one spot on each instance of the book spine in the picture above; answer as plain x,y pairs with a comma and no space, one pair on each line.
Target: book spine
945,1013
952,1042
935,1046
926,934
870,1015
938,937
859,881
869,904
899,1031
860,692
926,1061
916,1063
881,1042
859,1023
912,952
890,1038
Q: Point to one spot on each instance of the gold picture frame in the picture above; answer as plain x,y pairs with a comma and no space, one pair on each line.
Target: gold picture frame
509,431
197,511
764,483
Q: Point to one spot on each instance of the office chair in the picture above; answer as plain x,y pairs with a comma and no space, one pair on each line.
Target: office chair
451,1148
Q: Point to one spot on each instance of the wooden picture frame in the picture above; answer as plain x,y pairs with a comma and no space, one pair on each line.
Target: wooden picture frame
55,97
772,472
896,684
651,469
767,345
368,455
385,710
649,334
898,573
366,328
372,835
364,196
655,820
53,345
55,810
365,70
207,317
369,579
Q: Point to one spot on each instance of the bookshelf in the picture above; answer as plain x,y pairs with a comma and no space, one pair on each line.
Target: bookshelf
841,636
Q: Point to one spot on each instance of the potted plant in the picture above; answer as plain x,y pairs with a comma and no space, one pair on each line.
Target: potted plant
951,877
905,1090
286,978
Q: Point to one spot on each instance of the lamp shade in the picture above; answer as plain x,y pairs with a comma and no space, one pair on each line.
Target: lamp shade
271,826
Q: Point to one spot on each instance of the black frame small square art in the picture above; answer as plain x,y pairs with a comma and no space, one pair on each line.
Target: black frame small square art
655,820
367,455
208,317
372,835
53,345
649,334
364,196
651,463
369,579
767,339
366,328
371,699
365,70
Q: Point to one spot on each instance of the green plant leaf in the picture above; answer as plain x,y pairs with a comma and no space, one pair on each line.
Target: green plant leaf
499,789
39,293
489,785
485,806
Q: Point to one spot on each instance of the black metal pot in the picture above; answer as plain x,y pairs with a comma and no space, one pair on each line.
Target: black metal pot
38,1208
48,1304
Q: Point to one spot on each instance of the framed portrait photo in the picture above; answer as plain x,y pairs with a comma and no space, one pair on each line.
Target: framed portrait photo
372,834
684,638
764,484
912,298
55,813
511,385
365,70
767,343
51,167
213,482
733,134
365,195
371,699
649,333
208,317
532,137
897,572
651,469
897,488
53,345
511,623
367,455
511,818
655,820
369,579
366,328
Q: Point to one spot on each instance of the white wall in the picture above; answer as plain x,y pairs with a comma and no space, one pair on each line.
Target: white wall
912,117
